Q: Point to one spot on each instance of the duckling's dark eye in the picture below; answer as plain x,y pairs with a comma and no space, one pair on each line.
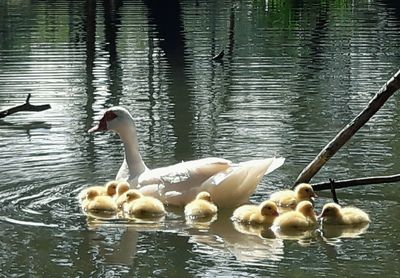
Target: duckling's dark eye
307,190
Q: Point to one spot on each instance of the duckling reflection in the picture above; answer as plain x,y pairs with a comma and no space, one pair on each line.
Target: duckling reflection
201,223
256,230
334,214
222,235
304,238
344,231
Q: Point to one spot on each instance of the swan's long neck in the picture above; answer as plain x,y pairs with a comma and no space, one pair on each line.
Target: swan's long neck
133,158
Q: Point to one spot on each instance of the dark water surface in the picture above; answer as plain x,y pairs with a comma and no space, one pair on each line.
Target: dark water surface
294,73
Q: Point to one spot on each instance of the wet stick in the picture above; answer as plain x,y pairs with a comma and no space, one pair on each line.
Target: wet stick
24,107
350,129
333,191
356,182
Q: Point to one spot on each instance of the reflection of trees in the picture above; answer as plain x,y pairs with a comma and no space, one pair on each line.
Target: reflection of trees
166,17
112,21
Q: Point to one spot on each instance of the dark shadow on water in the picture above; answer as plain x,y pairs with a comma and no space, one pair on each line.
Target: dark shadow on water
89,24
26,127
167,19
112,22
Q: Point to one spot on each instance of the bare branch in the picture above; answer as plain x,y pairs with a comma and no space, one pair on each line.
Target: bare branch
24,107
333,191
348,131
356,182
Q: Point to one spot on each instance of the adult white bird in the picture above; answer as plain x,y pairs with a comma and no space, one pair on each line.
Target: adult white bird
230,184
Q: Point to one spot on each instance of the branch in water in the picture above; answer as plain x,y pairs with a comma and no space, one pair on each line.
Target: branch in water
352,127
24,107
356,182
333,191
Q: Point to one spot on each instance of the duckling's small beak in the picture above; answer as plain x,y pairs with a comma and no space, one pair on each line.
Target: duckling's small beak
275,213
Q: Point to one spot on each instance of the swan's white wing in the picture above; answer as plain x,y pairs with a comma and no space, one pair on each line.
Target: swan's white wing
235,185
229,184
193,173
178,184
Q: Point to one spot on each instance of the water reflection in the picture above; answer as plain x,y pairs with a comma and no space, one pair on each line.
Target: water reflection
335,232
293,74
26,127
166,17
218,233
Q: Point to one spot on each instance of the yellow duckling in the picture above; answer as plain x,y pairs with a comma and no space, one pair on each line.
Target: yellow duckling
288,199
141,206
303,218
263,214
201,206
109,190
95,202
120,197
333,214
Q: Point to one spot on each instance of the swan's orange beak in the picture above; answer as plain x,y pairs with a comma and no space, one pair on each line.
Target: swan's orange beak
102,125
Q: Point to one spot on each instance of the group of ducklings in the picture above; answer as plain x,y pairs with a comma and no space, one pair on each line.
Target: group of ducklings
294,210
285,210
116,197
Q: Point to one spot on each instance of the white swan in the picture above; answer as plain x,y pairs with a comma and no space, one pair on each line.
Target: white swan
228,183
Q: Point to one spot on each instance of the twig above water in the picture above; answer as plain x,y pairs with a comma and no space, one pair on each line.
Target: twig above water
333,191
386,91
356,182
24,107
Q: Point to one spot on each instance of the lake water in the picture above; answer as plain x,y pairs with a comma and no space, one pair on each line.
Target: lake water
294,73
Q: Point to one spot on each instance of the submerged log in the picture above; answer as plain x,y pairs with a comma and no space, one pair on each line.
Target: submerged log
356,182
24,107
350,129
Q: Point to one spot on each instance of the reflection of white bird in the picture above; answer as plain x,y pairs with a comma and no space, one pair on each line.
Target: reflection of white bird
333,214
229,184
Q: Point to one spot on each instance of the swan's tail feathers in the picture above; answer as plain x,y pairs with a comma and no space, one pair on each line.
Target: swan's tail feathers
235,185
276,162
